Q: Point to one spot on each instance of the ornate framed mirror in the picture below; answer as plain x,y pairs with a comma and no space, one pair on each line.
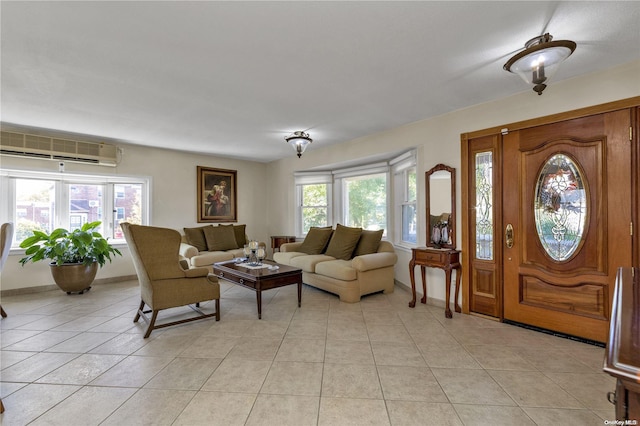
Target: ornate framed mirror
440,189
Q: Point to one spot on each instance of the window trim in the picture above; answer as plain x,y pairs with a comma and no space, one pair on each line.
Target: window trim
364,171
400,166
310,178
8,179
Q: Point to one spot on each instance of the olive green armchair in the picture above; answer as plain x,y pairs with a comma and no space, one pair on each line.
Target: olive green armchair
164,281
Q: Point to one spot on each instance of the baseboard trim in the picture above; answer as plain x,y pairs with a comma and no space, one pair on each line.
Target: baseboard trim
431,301
50,287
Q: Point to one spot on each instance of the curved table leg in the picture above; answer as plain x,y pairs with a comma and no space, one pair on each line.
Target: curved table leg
455,302
447,309
424,284
412,265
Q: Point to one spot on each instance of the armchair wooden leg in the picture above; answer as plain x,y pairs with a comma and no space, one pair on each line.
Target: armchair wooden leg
139,311
217,309
1,406
151,323
2,312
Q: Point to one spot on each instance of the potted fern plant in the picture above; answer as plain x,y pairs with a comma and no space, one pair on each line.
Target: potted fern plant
75,255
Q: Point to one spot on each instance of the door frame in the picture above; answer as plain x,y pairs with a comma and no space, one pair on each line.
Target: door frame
468,209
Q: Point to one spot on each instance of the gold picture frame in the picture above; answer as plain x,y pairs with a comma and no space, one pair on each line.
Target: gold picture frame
217,195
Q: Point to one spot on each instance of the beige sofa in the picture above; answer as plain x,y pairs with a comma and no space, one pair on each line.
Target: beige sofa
350,279
199,259
206,245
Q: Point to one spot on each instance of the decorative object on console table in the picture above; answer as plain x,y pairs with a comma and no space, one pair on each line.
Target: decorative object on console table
217,195
440,190
622,358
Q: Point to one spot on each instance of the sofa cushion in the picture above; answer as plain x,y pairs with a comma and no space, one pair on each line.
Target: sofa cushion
368,243
338,269
285,257
343,242
308,263
316,240
208,258
241,234
220,238
195,237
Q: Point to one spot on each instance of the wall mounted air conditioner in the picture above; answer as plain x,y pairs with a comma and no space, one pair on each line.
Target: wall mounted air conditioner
25,145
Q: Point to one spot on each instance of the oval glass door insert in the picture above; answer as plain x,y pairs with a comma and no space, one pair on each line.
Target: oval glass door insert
560,207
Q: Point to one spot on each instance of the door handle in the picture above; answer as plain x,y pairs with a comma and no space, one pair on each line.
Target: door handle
508,233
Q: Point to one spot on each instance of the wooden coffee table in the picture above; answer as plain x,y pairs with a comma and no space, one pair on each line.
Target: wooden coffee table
261,279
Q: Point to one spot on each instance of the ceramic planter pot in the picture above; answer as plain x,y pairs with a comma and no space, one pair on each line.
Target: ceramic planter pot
74,277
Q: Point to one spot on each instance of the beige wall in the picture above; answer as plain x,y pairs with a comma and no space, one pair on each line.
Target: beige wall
266,201
438,140
173,195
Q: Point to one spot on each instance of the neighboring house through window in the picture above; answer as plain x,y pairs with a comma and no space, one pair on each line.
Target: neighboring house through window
46,201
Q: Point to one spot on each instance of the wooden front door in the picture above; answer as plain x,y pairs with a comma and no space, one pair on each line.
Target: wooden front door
566,221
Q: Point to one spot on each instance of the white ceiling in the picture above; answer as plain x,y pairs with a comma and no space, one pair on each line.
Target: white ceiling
233,78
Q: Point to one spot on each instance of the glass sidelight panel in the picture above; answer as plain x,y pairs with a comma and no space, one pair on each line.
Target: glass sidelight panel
560,207
484,206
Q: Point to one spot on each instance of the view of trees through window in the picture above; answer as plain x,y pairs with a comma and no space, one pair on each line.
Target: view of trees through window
314,206
409,220
366,201
372,197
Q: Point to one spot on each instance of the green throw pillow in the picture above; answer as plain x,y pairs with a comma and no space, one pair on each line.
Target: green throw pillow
241,234
369,242
195,237
220,238
316,240
343,242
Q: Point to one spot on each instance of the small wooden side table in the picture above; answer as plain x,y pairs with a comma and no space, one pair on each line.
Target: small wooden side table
446,259
278,240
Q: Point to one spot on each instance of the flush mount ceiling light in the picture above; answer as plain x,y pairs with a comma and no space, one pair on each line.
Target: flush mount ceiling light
299,141
540,59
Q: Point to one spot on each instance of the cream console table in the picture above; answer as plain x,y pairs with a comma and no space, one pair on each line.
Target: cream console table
446,259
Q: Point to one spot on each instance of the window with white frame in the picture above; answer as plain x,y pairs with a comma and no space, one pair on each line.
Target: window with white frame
313,194
363,193
405,198
46,201
363,198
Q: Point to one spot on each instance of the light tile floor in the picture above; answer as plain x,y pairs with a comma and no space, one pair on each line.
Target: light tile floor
80,360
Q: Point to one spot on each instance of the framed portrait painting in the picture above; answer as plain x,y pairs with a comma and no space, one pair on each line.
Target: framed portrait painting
217,195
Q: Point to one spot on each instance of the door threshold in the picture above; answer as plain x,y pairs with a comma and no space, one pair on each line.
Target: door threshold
489,317
555,333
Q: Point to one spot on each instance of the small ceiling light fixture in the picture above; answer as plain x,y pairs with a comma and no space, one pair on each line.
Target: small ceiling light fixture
540,59
299,141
